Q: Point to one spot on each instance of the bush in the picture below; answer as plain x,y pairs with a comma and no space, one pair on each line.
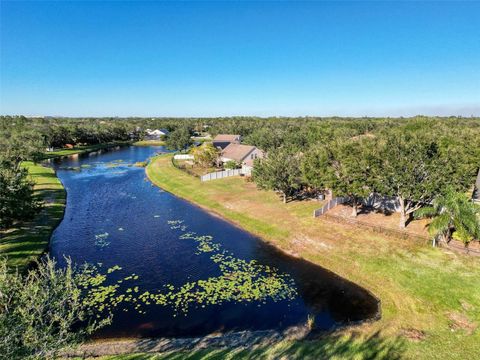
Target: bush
39,311
231,165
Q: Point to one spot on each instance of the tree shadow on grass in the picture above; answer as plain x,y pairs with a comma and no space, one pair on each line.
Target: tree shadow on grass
325,347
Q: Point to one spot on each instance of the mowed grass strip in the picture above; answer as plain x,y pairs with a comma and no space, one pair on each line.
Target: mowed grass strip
26,241
430,297
149,143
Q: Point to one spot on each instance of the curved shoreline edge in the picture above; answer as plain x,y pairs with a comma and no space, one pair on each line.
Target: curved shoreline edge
24,244
271,243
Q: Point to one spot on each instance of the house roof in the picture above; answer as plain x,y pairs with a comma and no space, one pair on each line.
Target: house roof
237,152
226,137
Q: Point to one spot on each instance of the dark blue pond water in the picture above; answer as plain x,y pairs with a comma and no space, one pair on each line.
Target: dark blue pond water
107,196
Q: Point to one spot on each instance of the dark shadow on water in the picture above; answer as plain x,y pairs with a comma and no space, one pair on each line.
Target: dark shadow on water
334,300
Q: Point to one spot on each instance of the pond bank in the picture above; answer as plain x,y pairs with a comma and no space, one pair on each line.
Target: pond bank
232,279
149,143
243,339
389,268
25,242
83,149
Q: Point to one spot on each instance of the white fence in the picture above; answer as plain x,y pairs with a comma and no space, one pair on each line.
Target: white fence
330,204
221,174
183,157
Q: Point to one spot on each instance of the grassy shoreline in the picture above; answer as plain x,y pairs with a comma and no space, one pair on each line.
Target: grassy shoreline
149,143
25,242
83,149
430,297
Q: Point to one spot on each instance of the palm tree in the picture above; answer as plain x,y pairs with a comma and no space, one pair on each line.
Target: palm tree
452,212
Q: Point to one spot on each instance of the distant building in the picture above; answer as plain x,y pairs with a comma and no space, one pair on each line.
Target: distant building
223,140
243,155
156,134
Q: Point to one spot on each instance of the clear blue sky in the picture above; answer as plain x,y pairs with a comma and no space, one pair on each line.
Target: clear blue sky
240,58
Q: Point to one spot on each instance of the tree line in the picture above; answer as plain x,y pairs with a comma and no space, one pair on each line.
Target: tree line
413,161
410,159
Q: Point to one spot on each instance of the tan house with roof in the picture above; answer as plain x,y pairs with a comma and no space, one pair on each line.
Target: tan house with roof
244,155
223,140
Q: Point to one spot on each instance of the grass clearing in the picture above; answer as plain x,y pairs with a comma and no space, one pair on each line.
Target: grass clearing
423,290
26,241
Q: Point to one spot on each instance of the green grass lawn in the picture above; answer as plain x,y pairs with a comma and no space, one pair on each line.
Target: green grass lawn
28,240
430,297
149,143
83,149
334,347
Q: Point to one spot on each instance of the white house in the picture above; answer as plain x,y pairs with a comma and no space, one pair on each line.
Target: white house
156,134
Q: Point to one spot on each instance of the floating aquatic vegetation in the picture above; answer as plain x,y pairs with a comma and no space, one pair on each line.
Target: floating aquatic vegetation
116,163
98,296
177,224
113,268
188,235
205,242
240,280
101,240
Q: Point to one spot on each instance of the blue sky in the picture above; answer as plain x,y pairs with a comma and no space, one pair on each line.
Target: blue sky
240,58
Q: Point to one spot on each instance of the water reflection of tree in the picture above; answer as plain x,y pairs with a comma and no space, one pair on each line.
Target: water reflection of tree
323,290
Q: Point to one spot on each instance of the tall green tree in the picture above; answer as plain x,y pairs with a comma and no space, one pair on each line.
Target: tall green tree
343,167
19,142
17,199
452,213
179,139
411,170
279,171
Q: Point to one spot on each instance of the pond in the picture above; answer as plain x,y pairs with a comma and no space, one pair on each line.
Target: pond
197,273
